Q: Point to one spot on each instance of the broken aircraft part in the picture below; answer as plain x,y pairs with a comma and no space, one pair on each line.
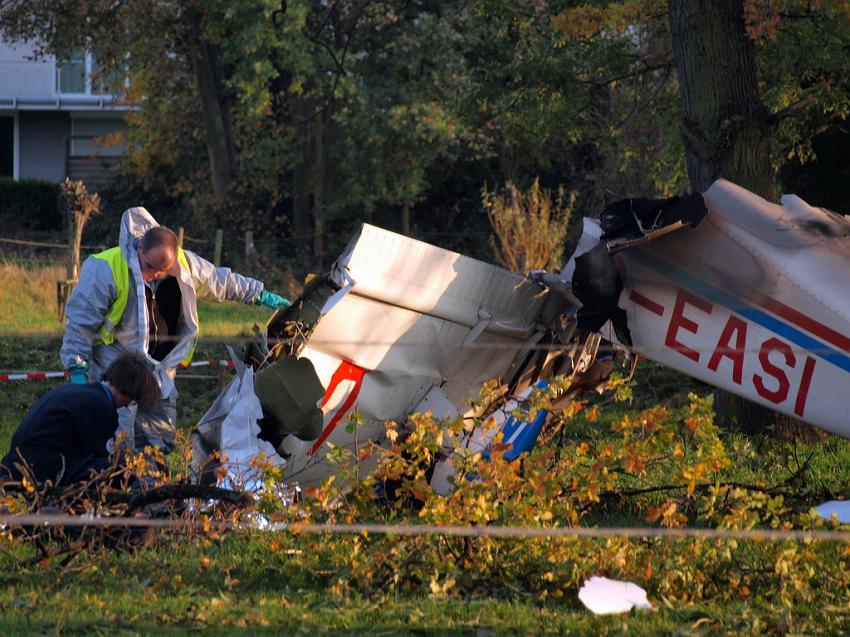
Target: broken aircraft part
400,326
725,287
751,301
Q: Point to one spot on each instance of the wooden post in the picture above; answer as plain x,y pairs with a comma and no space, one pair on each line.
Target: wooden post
405,219
249,244
250,250
72,263
75,235
219,238
180,232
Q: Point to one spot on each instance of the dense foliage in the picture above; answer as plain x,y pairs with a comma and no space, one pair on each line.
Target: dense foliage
29,205
666,465
299,119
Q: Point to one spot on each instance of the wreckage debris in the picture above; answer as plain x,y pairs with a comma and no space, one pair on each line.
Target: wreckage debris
723,286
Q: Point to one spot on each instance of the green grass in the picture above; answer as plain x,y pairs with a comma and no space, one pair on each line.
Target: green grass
246,586
257,584
249,583
230,319
29,306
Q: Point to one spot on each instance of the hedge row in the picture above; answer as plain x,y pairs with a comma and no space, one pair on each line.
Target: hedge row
29,204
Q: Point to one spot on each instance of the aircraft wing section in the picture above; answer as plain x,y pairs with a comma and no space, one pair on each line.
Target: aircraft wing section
397,322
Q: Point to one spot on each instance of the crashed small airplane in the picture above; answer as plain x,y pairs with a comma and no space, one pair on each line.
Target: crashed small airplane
723,286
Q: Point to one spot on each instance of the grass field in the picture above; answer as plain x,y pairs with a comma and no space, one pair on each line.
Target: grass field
29,307
253,583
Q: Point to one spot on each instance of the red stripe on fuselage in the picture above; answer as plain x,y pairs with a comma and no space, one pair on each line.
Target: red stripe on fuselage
647,303
345,371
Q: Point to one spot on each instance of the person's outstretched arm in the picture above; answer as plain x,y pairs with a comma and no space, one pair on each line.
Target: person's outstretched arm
222,283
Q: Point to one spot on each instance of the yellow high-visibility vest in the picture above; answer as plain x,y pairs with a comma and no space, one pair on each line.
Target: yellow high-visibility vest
121,276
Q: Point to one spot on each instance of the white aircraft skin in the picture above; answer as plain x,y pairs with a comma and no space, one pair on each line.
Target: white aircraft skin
413,332
753,301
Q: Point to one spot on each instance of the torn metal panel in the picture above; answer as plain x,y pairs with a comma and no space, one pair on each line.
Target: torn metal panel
632,222
598,284
289,391
228,435
517,436
400,271
396,323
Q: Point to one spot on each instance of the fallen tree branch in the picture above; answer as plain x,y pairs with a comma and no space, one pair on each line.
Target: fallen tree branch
136,500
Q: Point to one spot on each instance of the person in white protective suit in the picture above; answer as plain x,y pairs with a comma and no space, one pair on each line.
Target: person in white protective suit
141,296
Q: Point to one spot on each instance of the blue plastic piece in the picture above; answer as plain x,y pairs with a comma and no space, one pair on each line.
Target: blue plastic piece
520,435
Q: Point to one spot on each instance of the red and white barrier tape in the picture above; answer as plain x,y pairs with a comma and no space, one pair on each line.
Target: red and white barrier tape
33,376
215,362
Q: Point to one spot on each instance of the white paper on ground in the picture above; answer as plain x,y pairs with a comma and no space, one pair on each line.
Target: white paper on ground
605,596
841,509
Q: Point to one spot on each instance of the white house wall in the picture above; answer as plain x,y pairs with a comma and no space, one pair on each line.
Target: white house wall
21,77
85,126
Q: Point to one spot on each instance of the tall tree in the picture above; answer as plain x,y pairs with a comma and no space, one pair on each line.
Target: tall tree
726,129
725,126
205,73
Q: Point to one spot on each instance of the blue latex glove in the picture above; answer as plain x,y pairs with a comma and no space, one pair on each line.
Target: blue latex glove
79,374
272,300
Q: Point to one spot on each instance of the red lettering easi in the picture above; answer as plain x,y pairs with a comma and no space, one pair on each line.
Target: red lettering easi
781,393
724,348
678,321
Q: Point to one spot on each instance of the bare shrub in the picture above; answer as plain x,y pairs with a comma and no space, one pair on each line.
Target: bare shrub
530,228
79,206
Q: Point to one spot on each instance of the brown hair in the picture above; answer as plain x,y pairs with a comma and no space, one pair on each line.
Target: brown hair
158,236
129,374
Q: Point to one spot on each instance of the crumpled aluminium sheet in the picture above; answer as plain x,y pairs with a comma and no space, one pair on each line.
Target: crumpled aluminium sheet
230,427
408,318
415,317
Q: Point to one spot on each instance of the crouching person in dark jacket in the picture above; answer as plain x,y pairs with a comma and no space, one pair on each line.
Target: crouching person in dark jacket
64,436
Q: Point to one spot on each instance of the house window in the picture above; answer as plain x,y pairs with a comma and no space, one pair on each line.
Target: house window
82,74
74,74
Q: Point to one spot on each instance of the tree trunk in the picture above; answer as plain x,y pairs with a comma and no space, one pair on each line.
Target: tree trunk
726,131
206,63
725,127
